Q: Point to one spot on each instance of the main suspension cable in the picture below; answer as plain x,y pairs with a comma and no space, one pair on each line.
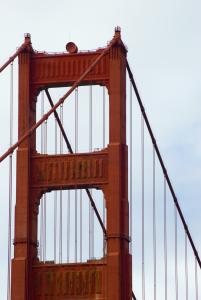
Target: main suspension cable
162,164
133,296
12,58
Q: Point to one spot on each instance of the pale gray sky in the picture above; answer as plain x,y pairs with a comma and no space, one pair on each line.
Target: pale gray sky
164,45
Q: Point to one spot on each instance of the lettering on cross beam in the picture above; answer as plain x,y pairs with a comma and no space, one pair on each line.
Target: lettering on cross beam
70,171
68,282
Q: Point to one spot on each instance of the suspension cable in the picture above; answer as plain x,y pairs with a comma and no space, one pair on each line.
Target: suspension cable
142,192
45,195
68,227
104,242
61,194
55,198
165,237
81,225
162,164
131,169
41,230
76,150
133,296
60,226
154,222
176,263
196,280
96,211
60,101
10,184
186,265
59,123
42,198
12,58
104,117
90,150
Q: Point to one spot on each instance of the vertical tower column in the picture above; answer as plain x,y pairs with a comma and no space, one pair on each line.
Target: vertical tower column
23,241
118,258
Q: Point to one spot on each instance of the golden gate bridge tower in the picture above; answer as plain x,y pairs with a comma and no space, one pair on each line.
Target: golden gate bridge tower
37,174
108,170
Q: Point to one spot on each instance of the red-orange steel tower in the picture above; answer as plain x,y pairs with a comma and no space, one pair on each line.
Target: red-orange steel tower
110,277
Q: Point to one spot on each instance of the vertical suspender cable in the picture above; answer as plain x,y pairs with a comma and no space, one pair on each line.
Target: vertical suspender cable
76,149
186,265
55,199
131,169
90,150
61,193
104,245
68,224
68,227
165,238
196,280
154,222
45,196
10,184
42,198
176,264
80,225
91,147
104,120
142,174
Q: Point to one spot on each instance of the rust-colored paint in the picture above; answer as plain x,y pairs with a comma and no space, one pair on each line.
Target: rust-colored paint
69,281
109,278
67,171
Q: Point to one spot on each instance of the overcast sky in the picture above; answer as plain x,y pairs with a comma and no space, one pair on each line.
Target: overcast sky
164,45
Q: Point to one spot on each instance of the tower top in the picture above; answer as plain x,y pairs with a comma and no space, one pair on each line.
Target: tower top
117,32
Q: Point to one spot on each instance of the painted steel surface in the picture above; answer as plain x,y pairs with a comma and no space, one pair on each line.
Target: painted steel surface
109,278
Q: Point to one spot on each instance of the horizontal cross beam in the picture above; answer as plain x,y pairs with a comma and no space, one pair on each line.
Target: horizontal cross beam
69,171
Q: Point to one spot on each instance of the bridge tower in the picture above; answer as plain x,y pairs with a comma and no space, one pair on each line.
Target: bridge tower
110,277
